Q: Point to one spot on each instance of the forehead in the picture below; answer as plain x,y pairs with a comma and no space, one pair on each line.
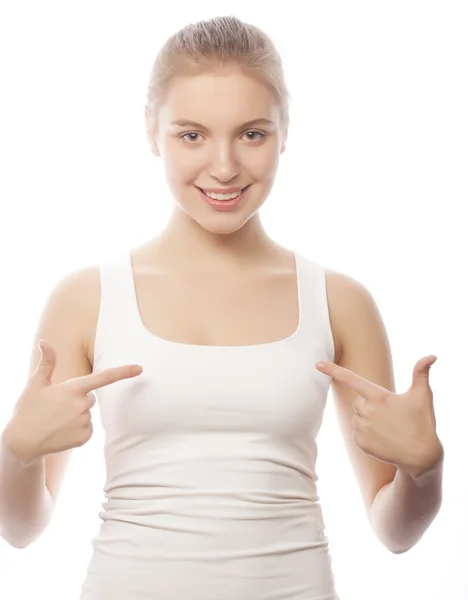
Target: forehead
224,97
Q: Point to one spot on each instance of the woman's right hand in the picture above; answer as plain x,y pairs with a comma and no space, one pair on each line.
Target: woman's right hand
49,417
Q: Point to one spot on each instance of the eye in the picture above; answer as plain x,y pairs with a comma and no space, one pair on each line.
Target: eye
259,133
184,136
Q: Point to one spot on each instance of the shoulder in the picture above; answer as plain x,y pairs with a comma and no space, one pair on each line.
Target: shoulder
74,283
350,303
345,291
75,299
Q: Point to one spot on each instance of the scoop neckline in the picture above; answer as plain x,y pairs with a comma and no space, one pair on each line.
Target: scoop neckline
206,347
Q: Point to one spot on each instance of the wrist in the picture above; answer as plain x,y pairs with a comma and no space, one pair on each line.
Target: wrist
429,460
17,447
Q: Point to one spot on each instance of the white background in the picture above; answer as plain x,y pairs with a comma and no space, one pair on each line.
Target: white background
373,183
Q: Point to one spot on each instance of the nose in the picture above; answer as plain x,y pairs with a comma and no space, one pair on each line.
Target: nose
224,163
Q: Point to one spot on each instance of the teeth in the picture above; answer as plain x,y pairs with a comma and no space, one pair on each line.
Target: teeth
222,196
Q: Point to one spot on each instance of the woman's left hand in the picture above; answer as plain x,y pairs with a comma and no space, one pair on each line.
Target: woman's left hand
395,428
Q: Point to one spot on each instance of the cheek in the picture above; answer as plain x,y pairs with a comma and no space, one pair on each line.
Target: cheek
181,164
263,163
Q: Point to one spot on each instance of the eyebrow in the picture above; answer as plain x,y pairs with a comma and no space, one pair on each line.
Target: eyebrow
187,123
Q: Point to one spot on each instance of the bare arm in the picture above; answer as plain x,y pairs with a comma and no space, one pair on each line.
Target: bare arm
401,502
28,493
365,350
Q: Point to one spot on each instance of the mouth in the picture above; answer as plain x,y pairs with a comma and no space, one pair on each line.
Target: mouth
223,201
223,196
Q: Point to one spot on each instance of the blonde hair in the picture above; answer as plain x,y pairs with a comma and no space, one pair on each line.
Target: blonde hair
221,41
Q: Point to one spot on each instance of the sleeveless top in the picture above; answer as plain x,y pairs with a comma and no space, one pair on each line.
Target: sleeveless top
210,458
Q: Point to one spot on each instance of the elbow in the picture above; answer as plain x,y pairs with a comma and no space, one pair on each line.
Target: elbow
391,542
21,534
392,547
20,543
13,542
397,544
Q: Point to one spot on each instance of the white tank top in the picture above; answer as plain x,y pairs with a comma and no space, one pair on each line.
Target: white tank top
210,458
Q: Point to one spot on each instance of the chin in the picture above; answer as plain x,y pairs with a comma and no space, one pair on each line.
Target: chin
227,224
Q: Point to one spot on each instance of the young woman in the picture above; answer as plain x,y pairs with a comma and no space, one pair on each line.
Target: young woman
211,443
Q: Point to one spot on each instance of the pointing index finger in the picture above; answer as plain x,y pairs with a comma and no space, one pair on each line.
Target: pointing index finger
94,381
365,388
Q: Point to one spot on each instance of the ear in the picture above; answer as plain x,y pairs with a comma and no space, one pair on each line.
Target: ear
151,133
283,144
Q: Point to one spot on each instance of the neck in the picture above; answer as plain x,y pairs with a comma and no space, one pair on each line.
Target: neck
186,241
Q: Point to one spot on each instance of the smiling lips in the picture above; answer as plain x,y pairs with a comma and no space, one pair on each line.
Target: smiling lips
223,201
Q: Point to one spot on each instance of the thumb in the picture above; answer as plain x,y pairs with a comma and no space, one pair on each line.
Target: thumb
421,371
47,362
